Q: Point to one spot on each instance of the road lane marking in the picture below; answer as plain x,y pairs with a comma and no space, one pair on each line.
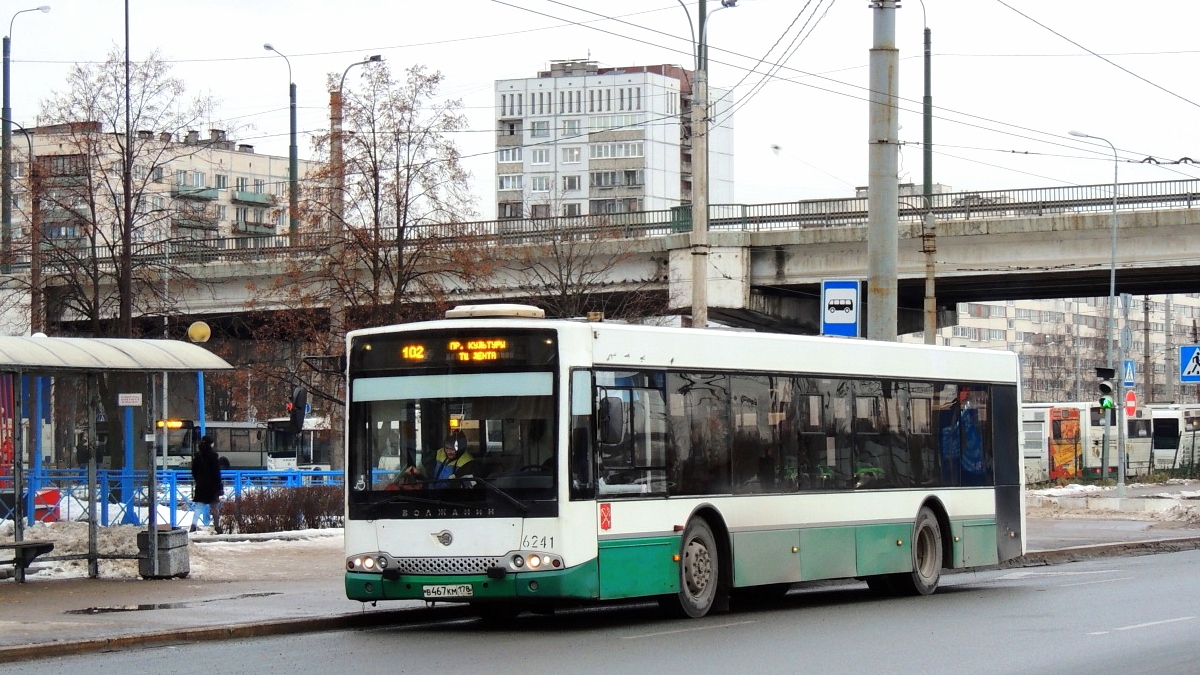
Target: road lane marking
686,630
1032,575
1155,623
1098,581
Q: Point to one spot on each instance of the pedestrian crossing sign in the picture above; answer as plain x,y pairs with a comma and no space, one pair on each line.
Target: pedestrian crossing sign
1189,364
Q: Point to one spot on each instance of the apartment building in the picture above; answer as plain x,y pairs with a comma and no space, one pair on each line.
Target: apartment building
188,187
580,139
1061,342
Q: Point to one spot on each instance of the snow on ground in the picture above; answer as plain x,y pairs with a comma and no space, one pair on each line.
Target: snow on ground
209,556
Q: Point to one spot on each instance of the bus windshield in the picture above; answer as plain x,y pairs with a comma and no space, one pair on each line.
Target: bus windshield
462,439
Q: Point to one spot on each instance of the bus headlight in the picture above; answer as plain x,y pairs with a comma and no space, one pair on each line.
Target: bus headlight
533,561
374,563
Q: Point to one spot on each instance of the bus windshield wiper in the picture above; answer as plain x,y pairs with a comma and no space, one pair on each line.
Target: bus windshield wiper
507,497
421,500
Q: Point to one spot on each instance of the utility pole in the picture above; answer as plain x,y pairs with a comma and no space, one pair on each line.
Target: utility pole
928,233
699,237
883,194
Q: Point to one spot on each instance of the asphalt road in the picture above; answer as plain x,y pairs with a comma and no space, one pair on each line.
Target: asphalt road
1104,616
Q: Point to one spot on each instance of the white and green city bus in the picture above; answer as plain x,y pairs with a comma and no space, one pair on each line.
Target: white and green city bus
600,461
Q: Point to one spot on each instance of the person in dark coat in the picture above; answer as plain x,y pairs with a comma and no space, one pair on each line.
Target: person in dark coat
207,488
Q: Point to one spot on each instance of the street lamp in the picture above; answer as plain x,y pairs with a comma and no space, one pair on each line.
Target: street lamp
293,159
699,235
1112,303
335,144
6,153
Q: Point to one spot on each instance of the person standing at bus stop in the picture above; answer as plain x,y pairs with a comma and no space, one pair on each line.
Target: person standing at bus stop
207,487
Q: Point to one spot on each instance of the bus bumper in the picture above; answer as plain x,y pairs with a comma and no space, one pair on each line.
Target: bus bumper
581,582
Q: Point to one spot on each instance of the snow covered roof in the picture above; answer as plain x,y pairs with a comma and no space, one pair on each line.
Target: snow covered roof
50,355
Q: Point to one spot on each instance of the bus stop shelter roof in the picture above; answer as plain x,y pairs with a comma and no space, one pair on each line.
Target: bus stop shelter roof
51,355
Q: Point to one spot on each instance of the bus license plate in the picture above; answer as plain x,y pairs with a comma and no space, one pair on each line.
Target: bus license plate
448,591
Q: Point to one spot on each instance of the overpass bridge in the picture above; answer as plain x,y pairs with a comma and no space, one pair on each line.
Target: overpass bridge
767,260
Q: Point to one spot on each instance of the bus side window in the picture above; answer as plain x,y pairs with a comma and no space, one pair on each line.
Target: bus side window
612,420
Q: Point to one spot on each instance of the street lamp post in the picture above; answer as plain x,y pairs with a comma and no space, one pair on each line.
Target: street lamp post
6,153
293,158
1112,304
335,145
36,323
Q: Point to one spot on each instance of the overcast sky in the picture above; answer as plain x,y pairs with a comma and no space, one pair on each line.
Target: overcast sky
1006,89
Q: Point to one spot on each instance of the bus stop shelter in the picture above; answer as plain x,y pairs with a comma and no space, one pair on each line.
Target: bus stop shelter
89,358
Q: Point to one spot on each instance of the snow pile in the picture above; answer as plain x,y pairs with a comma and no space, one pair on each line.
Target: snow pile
208,555
1072,490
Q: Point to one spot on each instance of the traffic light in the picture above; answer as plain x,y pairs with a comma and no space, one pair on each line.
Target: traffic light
297,407
1107,390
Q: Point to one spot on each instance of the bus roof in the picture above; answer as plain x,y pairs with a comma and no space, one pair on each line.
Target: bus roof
638,346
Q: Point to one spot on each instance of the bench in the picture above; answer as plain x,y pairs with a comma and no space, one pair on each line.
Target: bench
24,553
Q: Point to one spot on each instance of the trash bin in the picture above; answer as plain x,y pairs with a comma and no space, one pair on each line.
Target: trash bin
45,505
172,554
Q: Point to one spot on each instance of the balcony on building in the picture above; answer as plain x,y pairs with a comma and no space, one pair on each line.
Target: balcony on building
252,227
189,218
253,198
198,193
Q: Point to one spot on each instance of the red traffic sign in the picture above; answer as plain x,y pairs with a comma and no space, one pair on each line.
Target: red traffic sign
1130,403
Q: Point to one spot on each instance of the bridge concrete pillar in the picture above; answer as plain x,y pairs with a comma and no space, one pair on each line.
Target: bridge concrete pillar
728,278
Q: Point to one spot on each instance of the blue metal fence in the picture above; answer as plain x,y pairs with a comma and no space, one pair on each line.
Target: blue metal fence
121,496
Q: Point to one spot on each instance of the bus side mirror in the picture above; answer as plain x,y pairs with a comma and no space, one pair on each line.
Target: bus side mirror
612,420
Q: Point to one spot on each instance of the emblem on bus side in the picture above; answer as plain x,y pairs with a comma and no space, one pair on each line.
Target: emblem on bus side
444,537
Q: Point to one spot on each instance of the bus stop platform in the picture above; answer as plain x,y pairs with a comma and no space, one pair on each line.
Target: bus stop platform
252,588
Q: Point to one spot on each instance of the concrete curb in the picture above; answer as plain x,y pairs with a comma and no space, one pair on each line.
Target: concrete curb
395,617
355,620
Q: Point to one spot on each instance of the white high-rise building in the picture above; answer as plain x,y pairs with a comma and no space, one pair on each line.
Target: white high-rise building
579,139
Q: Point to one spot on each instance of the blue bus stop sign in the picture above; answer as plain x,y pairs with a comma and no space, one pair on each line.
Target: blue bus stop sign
840,301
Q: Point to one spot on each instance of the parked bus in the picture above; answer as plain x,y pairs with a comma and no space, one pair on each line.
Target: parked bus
1174,429
310,449
1065,441
598,461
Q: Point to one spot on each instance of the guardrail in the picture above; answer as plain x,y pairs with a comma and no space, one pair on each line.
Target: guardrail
815,213
62,494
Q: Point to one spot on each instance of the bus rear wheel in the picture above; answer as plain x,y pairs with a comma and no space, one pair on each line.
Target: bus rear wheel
699,572
926,557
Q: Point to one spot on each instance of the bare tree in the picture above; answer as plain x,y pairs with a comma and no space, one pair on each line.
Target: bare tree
85,214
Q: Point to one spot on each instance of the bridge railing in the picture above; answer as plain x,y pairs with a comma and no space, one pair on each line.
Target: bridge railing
802,214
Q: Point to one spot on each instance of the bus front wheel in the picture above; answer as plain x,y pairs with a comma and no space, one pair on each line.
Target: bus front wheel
699,571
926,557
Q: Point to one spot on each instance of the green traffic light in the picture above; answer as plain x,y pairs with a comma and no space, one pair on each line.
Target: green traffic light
1106,402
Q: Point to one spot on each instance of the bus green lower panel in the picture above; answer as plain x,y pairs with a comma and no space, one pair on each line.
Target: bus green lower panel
979,544
769,557
579,582
827,553
884,549
633,568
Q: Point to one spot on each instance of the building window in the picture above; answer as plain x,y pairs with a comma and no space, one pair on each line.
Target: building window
242,183
181,178
221,180
156,174
260,215
615,150
539,211
240,214
570,183
539,156
260,186
222,212
543,183
571,209
198,179
571,155
571,128
511,181
506,155
540,129
509,210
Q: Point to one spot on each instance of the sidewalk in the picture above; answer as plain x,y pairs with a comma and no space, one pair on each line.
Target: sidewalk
243,589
